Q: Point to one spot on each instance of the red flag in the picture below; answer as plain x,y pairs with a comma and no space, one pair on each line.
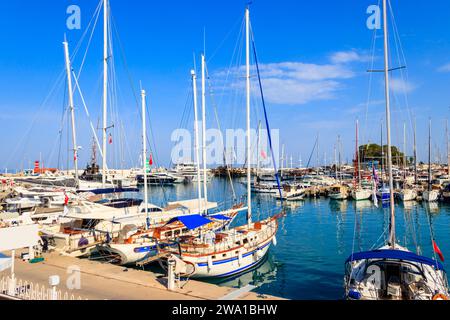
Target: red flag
66,199
263,154
75,156
110,139
150,162
438,251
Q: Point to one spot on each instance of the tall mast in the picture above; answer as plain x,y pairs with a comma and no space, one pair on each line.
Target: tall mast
404,151
415,153
339,161
205,190
448,146
197,149
258,164
71,106
388,128
429,156
144,153
249,165
357,154
382,154
105,86
335,162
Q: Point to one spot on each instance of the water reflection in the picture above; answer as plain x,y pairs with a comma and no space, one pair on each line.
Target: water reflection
265,273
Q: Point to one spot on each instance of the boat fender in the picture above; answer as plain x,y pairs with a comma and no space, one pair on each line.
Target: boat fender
210,262
354,295
274,241
440,296
240,257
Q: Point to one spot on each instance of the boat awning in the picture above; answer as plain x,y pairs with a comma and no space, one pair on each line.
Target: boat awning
5,262
220,217
395,255
109,190
192,222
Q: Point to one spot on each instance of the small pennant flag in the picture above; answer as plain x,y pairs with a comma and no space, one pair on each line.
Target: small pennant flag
75,156
66,200
110,139
438,251
150,161
263,154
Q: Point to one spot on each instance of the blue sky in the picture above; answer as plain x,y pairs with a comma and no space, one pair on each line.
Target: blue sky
314,56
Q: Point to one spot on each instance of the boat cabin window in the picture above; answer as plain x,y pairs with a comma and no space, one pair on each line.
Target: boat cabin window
177,232
168,234
245,241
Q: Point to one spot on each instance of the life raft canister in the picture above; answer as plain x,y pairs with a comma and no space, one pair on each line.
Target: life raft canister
440,296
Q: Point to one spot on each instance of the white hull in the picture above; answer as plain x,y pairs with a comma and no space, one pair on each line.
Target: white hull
408,195
430,196
415,281
229,266
361,194
338,196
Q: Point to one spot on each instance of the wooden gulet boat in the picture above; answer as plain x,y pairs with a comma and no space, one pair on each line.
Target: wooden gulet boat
235,250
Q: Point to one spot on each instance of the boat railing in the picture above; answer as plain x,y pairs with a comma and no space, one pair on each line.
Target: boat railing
234,241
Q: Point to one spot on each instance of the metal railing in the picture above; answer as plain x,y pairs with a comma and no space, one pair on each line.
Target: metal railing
17,289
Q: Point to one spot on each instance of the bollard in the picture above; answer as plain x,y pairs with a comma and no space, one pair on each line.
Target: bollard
171,274
54,281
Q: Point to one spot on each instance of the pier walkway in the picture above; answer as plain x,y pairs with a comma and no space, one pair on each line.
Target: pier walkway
103,281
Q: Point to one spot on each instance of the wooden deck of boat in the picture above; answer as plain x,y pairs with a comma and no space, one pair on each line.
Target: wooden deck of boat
104,281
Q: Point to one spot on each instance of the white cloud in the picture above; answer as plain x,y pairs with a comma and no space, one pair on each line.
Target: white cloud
348,56
444,68
400,85
296,82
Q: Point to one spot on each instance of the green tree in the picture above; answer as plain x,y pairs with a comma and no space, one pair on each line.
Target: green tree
374,152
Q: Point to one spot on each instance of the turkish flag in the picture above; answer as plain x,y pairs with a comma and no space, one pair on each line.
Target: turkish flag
438,251
110,139
75,156
150,161
263,155
66,199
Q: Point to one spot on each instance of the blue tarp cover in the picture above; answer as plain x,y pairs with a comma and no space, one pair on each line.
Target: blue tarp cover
394,255
220,217
191,222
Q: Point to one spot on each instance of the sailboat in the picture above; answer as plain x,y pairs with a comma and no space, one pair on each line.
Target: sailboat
358,192
406,193
233,250
392,272
430,195
140,245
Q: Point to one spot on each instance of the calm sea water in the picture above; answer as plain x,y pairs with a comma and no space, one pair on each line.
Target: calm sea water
317,235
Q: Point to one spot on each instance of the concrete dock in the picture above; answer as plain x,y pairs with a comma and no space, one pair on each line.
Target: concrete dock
104,281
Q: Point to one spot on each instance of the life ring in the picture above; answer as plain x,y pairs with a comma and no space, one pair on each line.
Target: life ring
440,296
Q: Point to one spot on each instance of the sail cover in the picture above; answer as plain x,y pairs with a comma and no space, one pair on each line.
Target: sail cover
191,222
395,255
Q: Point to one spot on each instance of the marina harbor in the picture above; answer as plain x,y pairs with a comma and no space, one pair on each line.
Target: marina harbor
219,151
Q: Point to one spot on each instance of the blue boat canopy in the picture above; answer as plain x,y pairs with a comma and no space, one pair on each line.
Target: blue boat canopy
394,255
191,222
220,217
